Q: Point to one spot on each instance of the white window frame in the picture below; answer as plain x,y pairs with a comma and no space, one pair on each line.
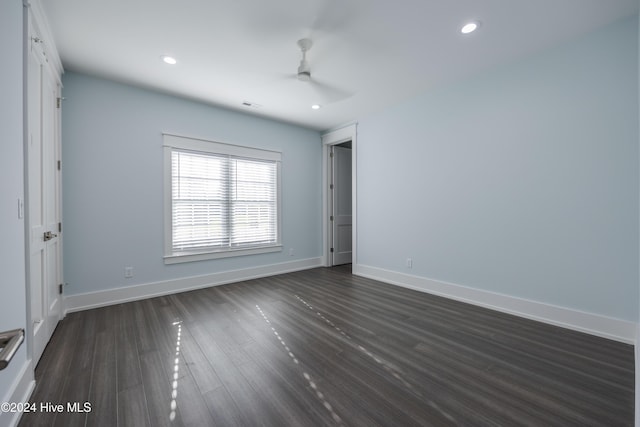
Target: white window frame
175,142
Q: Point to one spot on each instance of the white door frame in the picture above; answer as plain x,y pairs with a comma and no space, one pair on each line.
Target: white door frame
335,137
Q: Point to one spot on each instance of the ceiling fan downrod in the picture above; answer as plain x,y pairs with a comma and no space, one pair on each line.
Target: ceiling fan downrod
304,71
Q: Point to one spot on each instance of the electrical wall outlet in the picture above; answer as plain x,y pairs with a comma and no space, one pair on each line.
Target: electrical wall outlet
291,252
128,272
409,263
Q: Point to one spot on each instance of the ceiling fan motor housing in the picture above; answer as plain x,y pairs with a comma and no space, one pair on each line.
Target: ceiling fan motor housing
304,73
305,76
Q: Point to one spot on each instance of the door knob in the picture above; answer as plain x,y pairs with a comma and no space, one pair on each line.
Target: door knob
49,235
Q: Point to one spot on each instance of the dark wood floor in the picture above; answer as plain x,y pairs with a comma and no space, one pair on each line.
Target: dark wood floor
323,347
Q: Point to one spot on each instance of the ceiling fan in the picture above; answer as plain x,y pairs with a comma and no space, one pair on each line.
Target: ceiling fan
329,93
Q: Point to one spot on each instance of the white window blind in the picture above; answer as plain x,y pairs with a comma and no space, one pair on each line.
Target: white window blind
221,201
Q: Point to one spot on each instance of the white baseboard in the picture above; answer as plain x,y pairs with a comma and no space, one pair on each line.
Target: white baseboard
132,293
594,324
19,392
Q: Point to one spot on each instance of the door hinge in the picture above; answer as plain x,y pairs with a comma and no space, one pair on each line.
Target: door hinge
331,218
60,288
330,186
59,227
58,102
331,154
331,250
59,165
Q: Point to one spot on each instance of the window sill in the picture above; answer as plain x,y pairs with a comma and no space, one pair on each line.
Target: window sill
203,256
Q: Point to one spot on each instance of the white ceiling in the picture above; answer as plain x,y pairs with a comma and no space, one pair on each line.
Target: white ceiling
367,53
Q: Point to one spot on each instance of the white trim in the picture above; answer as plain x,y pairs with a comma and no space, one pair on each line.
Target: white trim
345,134
41,25
132,293
19,392
208,146
594,324
227,253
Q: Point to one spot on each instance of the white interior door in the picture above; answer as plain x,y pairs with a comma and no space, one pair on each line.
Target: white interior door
44,261
341,205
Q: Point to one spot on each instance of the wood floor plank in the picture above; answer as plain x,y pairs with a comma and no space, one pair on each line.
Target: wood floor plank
132,407
199,367
223,408
103,395
77,383
191,405
158,389
128,374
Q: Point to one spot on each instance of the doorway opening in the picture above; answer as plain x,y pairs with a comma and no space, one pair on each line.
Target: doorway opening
339,197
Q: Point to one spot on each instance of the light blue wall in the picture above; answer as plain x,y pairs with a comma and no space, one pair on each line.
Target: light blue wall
12,245
113,182
521,181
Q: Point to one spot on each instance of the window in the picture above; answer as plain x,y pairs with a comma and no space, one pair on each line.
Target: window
221,200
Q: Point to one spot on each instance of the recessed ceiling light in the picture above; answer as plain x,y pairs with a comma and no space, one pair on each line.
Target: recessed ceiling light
469,27
315,107
169,60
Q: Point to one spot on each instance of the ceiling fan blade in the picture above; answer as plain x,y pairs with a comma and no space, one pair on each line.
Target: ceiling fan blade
329,93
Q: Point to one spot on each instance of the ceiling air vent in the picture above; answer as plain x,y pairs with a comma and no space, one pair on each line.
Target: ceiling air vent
250,104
